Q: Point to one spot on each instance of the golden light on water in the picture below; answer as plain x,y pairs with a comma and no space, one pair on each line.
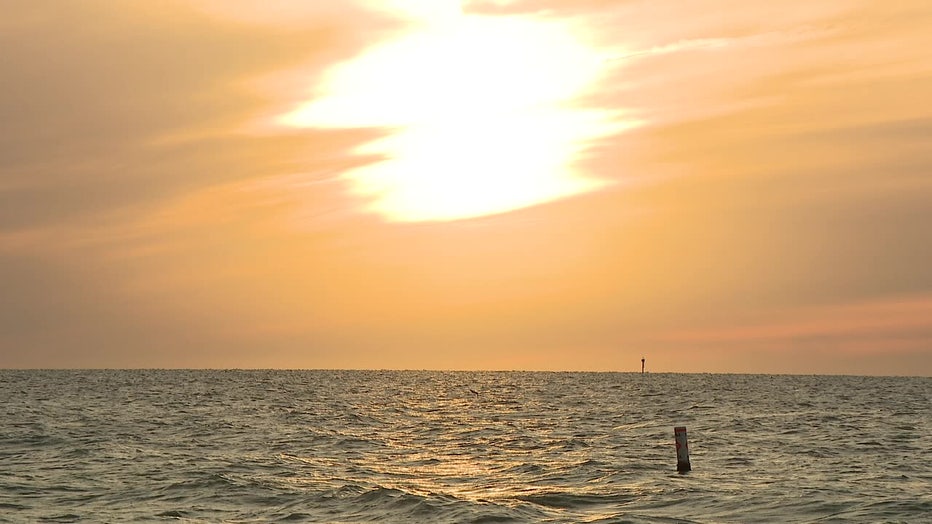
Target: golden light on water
479,112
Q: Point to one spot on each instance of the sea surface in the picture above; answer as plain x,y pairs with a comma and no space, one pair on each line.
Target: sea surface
461,447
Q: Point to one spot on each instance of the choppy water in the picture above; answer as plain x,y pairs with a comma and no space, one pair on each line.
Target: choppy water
365,446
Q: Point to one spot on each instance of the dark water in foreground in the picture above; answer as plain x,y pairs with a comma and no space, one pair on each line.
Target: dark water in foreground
362,446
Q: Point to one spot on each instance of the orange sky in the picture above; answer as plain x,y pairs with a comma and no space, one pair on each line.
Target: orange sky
540,184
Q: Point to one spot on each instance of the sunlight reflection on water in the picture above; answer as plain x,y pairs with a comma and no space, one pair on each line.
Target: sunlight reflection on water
420,446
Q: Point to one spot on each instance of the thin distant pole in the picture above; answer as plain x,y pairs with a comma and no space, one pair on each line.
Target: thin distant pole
642,365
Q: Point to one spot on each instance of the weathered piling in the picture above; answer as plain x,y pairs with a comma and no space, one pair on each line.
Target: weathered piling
682,449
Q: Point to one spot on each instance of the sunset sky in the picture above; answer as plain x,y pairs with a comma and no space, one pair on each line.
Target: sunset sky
715,186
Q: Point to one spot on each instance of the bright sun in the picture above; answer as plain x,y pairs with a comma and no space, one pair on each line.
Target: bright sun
479,112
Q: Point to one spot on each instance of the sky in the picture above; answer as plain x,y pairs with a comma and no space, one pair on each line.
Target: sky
713,186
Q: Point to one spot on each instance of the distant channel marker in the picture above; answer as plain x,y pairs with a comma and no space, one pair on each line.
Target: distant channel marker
682,449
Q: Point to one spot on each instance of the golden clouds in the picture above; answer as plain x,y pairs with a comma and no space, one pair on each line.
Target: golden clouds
771,202
480,117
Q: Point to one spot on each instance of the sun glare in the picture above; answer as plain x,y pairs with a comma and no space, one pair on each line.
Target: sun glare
480,115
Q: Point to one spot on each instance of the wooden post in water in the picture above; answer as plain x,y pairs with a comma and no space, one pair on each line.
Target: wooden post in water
642,365
682,449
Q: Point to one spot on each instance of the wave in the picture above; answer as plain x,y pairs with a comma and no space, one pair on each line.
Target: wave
266,446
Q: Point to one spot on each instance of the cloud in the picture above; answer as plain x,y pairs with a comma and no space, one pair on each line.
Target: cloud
880,336
92,90
114,116
872,323
771,212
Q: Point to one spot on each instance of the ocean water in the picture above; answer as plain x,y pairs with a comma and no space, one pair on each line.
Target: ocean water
402,446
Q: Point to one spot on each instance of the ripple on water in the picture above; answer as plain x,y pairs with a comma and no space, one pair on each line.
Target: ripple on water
342,446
